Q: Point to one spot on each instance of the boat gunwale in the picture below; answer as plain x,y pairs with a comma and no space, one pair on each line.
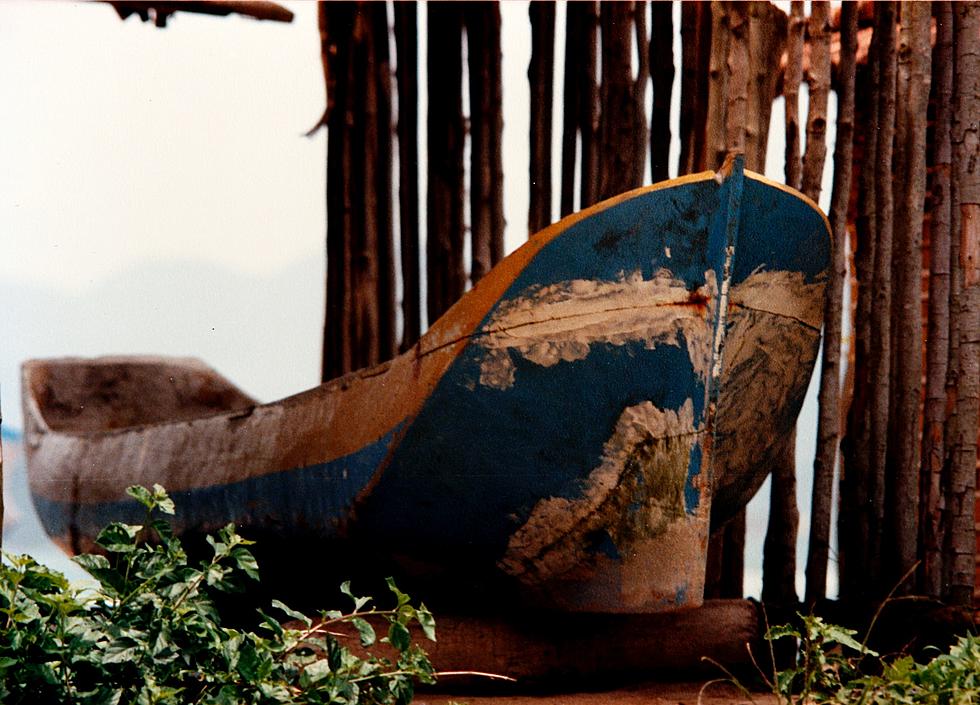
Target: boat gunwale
430,342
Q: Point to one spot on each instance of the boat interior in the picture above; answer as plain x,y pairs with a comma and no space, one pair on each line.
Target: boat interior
75,395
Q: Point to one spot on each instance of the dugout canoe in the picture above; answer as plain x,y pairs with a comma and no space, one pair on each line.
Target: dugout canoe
562,435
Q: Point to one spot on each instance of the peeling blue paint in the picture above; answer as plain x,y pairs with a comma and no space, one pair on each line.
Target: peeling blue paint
692,494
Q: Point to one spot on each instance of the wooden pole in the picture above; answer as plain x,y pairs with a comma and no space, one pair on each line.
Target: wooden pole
828,422
406,75
779,549
589,106
767,42
854,520
695,60
961,495
641,130
445,273
904,443
336,21
486,182
716,146
617,120
662,73
937,349
819,83
792,78
880,378
540,74
571,105
737,69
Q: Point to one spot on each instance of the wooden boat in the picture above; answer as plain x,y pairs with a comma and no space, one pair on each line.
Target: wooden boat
558,437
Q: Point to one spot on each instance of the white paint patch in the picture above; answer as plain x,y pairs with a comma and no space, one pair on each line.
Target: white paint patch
560,322
782,293
635,496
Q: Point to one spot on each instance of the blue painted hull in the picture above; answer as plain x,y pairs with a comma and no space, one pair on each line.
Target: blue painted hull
559,435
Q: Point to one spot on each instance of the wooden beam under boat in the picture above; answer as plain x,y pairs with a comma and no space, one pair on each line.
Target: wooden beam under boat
561,436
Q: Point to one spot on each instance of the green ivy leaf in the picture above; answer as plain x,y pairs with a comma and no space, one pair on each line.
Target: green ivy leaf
427,622
402,598
299,616
118,537
359,602
365,631
399,636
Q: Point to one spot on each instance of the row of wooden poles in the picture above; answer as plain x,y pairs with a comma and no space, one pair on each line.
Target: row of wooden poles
905,166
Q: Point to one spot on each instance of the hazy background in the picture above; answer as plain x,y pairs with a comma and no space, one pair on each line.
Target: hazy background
157,196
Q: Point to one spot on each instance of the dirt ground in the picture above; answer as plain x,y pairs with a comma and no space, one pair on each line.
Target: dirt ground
642,694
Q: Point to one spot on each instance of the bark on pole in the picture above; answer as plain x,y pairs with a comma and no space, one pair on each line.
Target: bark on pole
360,323
819,83
881,307
446,276
737,67
828,421
854,520
792,78
662,73
716,146
961,495
695,59
937,348
907,379
767,42
641,131
779,549
618,119
406,75
380,65
367,199
540,73
589,106
336,23
571,104
486,184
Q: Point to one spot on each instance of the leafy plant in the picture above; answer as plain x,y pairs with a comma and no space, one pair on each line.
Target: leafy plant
829,668
150,632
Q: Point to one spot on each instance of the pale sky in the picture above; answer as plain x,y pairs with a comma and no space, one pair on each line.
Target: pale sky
157,194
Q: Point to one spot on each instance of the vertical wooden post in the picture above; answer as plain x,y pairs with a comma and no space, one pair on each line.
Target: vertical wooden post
767,42
444,240
828,422
737,69
716,145
360,322
792,78
662,73
819,83
904,443
880,378
540,73
336,22
580,105
855,520
779,549
486,119
641,130
617,121
937,348
961,494
406,75
695,59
